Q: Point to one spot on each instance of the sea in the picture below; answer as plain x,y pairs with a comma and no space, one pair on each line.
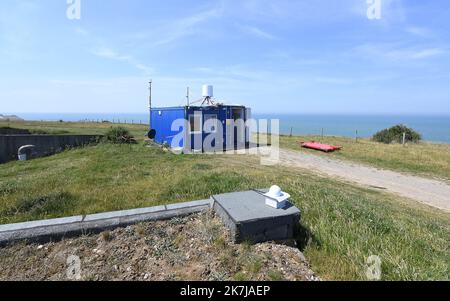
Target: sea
434,128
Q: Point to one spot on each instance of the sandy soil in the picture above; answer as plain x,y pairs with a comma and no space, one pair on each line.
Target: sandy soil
427,191
191,248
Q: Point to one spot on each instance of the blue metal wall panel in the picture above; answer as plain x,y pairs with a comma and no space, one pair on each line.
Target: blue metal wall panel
162,119
220,112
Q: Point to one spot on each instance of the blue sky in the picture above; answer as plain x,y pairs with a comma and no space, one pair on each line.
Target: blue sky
311,56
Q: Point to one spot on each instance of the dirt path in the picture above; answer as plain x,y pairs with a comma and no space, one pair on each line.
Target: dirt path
427,191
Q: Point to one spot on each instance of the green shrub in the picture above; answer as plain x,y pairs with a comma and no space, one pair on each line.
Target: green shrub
116,135
395,134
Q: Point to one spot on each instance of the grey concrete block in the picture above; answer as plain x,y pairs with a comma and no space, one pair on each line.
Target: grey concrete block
250,219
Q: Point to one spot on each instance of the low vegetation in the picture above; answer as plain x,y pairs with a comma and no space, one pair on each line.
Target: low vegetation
83,128
425,159
196,247
342,225
396,134
48,132
118,135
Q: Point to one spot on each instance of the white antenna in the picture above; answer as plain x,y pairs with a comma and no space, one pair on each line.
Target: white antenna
208,95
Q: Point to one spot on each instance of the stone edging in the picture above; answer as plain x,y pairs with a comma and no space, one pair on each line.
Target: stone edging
54,229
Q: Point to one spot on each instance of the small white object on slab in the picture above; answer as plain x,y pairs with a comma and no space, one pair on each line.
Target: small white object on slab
276,198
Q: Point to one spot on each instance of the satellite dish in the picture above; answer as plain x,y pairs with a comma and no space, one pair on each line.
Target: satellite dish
151,134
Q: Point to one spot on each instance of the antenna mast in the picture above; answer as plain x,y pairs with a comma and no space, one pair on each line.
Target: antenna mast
150,102
188,97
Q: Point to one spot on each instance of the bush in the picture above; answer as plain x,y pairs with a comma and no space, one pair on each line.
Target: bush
395,134
117,135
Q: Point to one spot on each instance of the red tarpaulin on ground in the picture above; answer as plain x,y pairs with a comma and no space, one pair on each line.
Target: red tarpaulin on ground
320,146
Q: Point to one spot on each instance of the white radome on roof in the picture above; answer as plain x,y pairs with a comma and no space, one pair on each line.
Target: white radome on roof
207,91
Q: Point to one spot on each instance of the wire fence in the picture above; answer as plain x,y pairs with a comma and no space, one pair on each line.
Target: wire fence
116,121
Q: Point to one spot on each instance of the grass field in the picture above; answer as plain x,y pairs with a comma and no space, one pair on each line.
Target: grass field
432,160
342,225
427,159
57,128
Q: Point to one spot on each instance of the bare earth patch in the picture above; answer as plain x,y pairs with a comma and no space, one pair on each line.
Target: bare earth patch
190,248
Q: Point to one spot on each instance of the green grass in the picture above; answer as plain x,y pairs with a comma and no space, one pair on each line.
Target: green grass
57,128
427,159
342,225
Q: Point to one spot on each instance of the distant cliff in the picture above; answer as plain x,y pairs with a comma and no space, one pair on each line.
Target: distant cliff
10,117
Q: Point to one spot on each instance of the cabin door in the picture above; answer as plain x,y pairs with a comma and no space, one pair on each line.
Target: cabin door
238,115
196,131
209,132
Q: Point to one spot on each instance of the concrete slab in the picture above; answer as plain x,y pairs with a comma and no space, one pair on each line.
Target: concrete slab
250,219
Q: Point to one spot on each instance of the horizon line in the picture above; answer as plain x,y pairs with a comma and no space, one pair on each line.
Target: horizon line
258,113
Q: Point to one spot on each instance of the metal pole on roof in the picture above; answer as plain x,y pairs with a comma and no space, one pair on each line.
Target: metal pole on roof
150,103
187,97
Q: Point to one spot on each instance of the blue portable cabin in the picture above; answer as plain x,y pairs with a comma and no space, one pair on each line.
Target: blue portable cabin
162,121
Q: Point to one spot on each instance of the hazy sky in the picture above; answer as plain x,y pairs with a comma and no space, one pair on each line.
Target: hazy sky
311,56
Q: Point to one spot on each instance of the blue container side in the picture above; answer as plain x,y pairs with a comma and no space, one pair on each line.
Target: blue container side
162,119
220,113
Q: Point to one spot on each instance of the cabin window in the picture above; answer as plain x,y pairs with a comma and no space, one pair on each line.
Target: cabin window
195,122
212,124
237,114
